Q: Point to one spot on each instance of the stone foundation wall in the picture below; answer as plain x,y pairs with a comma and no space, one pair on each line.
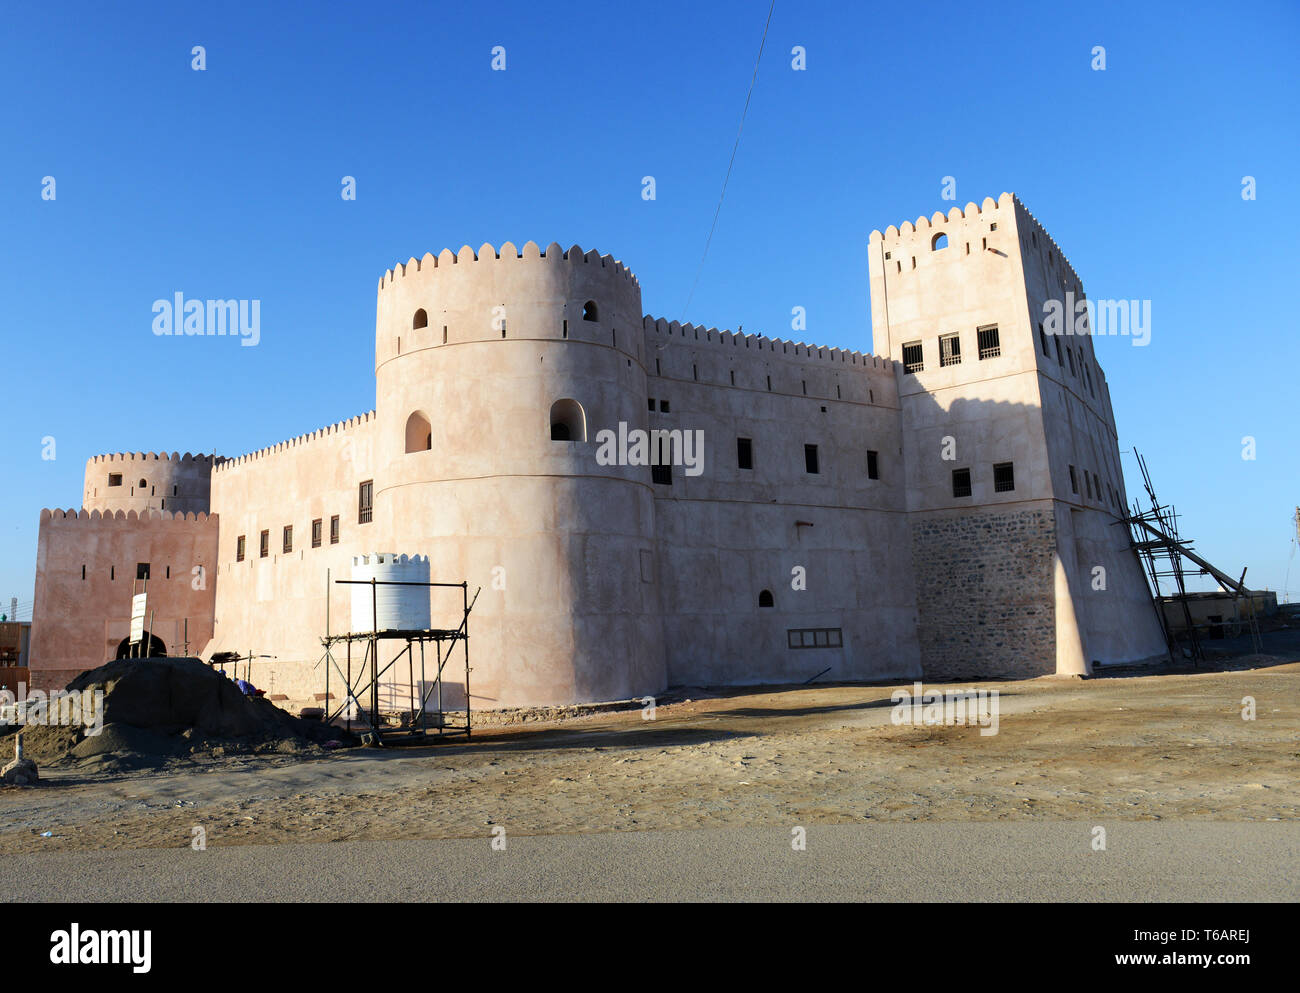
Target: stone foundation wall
984,587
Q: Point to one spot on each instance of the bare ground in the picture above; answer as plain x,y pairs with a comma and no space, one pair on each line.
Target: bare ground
1170,746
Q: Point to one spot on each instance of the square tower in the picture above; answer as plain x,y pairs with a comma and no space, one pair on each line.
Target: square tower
1014,487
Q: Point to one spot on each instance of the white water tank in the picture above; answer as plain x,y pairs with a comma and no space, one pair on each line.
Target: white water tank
395,608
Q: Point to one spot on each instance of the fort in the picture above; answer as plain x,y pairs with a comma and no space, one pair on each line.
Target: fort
949,502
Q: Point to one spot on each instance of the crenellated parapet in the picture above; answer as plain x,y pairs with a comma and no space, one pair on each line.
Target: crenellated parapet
84,516
660,330
507,255
133,457
332,430
913,240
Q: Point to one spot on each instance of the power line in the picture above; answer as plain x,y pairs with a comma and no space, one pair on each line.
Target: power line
732,162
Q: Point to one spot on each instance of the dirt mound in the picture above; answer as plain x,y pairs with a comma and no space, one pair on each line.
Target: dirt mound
157,711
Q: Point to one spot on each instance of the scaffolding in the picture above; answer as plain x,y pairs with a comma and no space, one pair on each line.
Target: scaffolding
1162,549
362,680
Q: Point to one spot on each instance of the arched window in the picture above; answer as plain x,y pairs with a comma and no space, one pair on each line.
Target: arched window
939,241
765,599
589,311
420,320
419,433
568,421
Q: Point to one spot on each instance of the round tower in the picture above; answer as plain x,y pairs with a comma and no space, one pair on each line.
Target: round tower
149,481
495,372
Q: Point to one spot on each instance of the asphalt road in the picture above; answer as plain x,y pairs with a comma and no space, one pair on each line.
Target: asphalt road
1143,861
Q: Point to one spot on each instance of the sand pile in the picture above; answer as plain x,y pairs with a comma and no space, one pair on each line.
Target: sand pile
160,711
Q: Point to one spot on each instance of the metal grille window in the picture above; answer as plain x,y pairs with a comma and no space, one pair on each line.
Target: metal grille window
334,530
989,343
264,546
366,502
1004,477
913,357
239,549
873,465
961,482
316,533
815,637
288,538
949,350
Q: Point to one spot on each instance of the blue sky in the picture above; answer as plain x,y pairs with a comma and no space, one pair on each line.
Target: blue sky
225,183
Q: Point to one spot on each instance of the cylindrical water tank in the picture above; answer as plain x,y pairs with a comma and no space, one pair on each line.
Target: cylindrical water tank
393,608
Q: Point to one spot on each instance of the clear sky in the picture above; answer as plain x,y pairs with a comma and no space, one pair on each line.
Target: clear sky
225,183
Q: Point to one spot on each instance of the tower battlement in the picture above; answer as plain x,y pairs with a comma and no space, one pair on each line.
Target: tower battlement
506,255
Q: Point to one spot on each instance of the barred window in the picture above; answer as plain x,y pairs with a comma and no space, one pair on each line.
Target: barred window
334,530
264,544
949,350
989,344
913,357
316,532
239,549
815,637
961,482
288,538
365,502
1004,477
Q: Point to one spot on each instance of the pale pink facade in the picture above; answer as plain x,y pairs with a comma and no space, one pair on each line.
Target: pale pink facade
822,512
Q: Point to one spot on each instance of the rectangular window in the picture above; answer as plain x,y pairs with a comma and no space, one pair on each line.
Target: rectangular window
1074,481
949,350
990,344
913,357
810,459
744,453
288,538
264,544
114,479
961,482
239,548
661,475
142,570
814,637
334,530
873,465
663,406
316,532
1004,477
365,502
652,403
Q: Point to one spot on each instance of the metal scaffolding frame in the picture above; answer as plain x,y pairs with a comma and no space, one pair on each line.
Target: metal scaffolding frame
364,680
1162,549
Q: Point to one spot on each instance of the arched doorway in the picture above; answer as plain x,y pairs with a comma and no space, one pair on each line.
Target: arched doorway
126,650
